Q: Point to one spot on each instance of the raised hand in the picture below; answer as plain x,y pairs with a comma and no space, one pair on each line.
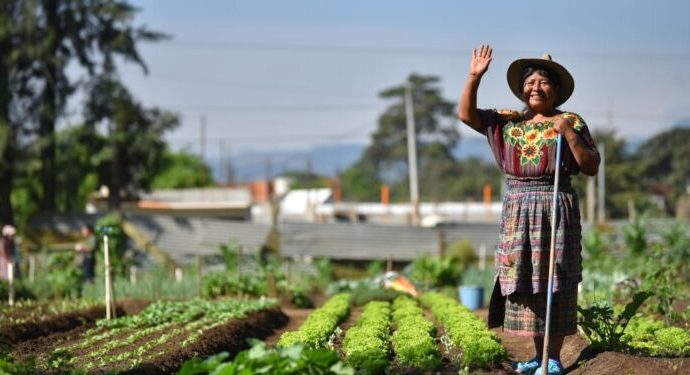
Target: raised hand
481,58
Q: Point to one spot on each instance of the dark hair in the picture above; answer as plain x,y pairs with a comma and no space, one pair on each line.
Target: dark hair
542,70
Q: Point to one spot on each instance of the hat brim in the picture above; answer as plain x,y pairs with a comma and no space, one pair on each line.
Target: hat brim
563,91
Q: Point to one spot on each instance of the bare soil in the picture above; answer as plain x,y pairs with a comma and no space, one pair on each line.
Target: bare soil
231,337
11,335
295,319
577,358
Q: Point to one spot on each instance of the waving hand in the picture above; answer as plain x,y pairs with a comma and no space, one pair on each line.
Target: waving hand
481,58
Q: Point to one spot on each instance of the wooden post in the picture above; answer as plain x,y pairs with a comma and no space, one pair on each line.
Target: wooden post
108,281
32,268
482,257
389,264
441,242
10,274
178,274
133,275
239,270
199,279
271,280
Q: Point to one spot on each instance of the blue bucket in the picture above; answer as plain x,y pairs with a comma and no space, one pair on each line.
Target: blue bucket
472,296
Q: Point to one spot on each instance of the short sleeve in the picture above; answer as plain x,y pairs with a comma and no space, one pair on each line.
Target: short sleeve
581,129
493,122
492,118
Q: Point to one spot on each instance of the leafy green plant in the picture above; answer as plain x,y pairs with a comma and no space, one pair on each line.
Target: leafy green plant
413,339
480,347
296,359
635,235
604,327
654,338
366,343
61,277
375,268
117,243
317,328
434,271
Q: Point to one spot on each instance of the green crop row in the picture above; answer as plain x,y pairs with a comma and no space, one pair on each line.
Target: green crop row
480,347
320,324
27,310
366,345
653,337
147,337
174,311
413,339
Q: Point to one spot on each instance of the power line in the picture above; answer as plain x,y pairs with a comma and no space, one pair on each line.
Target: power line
275,108
323,48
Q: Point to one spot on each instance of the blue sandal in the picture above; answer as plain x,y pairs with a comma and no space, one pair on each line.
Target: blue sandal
527,367
554,368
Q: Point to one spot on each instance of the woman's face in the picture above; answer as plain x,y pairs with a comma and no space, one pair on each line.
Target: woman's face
539,93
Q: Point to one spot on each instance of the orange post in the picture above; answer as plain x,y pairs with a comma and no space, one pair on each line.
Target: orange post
385,194
487,193
337,193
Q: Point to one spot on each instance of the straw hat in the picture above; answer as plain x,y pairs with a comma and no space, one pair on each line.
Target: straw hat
565,88
8,230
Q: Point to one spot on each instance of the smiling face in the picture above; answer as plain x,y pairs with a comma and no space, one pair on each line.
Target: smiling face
539,92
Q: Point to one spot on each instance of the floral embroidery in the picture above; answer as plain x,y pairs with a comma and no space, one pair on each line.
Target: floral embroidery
533,136
574,120
550,135
529,138
514,134
530,153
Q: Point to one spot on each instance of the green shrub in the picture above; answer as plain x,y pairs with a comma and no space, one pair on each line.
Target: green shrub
463,252
603,327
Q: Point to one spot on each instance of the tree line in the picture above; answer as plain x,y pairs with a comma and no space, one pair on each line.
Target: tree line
119,143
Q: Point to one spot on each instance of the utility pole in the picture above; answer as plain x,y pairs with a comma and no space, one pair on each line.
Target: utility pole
221,165
202,150
602,184
412,154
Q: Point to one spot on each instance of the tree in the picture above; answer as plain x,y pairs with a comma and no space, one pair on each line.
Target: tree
385,159
90,32
182,170
621,175
15,89
76,157
134,147
664,159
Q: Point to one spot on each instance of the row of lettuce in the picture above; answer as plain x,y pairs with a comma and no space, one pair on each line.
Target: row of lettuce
400,333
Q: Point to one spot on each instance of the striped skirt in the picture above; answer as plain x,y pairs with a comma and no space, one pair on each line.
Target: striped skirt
518,302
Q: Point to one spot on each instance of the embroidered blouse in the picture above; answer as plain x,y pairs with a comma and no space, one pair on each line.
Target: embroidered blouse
526,149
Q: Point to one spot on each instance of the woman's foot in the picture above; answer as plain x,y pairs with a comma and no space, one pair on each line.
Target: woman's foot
527,367
554,368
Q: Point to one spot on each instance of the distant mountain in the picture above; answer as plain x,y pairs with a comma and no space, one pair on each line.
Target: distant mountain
324,160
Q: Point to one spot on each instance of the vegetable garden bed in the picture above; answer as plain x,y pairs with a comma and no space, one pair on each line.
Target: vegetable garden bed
27,320
399,337
159,339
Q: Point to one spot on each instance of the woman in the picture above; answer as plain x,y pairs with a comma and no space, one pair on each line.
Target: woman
85,252
524,145
8,251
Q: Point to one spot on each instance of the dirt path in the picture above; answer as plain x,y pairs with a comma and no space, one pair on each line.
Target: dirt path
577,359
296,318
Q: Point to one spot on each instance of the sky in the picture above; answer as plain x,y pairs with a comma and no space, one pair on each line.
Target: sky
283,74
